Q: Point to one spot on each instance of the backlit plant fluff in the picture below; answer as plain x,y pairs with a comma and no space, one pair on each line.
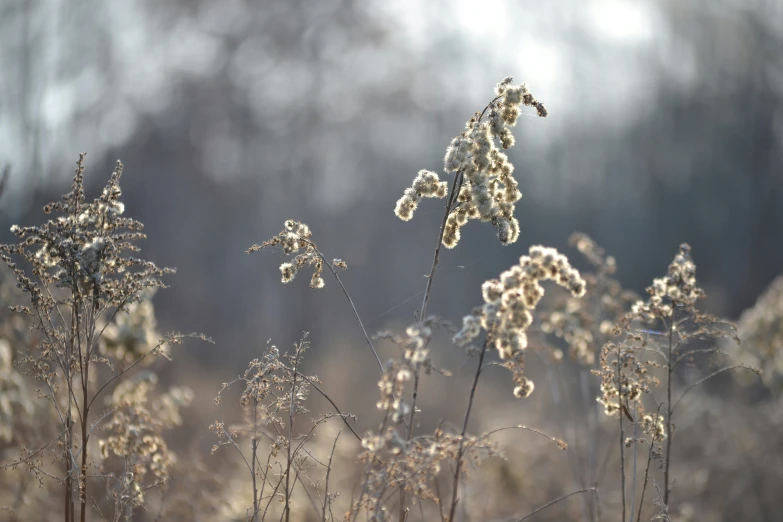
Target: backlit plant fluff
295,237
761,331
484,187
508,303
586,323
79,273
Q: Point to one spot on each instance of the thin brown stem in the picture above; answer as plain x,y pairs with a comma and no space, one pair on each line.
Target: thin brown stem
622,431
644,485
408,434
326,482
710,376
66,507
461,450
560,443
452,197
254,452
555,502
343,416
350,301
291,412
669,410
436,257
85,364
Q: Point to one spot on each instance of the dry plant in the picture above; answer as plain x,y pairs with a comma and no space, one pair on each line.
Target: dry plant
83,337
80,278
761,331
483,188
275,394
687,339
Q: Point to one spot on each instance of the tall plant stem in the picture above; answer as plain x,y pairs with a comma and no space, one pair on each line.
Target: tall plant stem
436,257
669,409
633,466
254,455
291,408
622,429
350,301
646,475
594,490
84,361
461,450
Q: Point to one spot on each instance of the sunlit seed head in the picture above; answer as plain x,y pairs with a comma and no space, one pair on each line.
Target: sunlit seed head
491,290
405,208
524,390
288,271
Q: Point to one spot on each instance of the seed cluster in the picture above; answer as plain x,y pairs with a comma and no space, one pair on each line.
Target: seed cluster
585,324
625,376
677,287
413,465
294,238
487,190
508,305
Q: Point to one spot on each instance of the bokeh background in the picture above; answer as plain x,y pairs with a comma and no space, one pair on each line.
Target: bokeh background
665,125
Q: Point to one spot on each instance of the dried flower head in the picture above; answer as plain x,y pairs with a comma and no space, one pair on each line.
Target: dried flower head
625,376
484,187
676,288
134,431
425,185
274,396
295,241
671,308
84,250
82,276
586,323
508,305
397,375
393,458
654,426
133,332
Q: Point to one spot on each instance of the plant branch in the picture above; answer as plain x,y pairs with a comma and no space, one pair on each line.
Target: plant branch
461,450
555,502
328,472
350,301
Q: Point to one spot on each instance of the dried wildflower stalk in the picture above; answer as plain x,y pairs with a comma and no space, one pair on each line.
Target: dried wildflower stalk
761,331
625,379
134,439
294,237
505,317
394,460
585,323
79,277
508,304
576,328
275,394
688,335
483,187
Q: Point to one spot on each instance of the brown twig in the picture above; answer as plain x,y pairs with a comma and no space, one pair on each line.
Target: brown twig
328,472
555,502
461,449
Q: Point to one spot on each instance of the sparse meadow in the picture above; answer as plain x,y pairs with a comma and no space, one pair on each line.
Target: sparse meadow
633,382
